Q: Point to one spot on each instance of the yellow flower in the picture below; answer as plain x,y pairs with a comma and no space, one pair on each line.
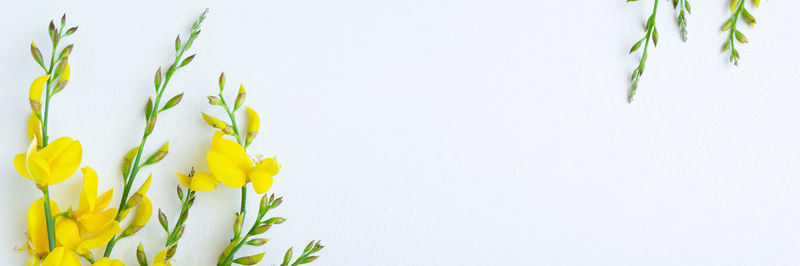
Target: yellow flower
52,164
70,236
61,257
161,258
91,214
201,181
230,164
108,262
37,228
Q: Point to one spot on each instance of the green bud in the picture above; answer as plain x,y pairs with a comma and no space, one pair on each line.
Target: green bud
275,220
177,43
70,31
261,229
37,55
157,79
249,260
140,256
308,259
150,125
214,100
237,225
175,100
162,219
221,81
187,60
148,108
287,258
257,241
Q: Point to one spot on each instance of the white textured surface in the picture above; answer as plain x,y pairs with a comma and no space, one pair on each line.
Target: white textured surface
447,132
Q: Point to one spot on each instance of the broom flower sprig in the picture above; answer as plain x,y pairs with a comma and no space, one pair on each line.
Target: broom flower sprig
152,110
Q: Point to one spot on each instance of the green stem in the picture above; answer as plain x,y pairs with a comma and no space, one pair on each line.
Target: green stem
734,19
243,207
51,236
184,208
235,126
229,258
135,166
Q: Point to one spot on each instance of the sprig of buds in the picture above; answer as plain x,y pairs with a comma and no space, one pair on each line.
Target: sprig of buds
153,108
683,8
260,226
739,11
651,33
187,201
306,257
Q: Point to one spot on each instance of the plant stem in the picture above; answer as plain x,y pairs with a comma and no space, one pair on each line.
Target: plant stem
135,166
235,126
243,207
733,20
51,236
181,220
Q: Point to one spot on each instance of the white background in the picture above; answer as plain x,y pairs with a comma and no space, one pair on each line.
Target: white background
447,132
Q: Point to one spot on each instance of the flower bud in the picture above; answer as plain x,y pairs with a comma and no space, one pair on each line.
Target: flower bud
126,162
249,260
37,54
240,98
158,155
175,100
35,94
257,241
253,124
221,81
214,100
237,225
140,256
142,216
218,124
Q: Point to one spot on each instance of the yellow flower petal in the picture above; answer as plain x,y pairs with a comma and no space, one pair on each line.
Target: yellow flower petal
19,164
104,199
36,88
254,122
67,233
145,186
94,222
88,196
225,170
232,150
262,181
108,262
37,227
64,163
143,213
203,181
185,180
61,257
99,239
161,256
65,73
34,130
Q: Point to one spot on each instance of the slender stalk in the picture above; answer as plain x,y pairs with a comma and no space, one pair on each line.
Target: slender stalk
135,167
185,205
732,34
250,232
651,31
235,126
51,236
